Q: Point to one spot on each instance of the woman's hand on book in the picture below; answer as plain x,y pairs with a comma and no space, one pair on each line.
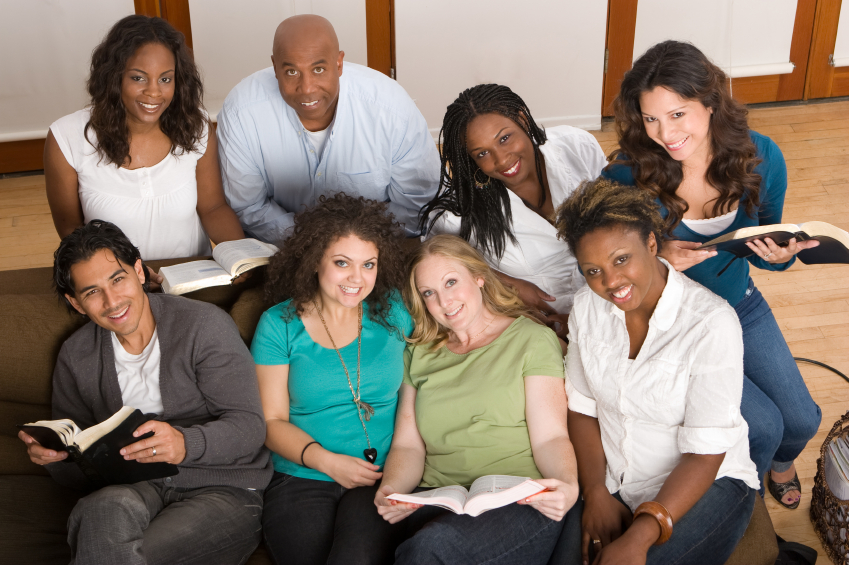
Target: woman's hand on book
555,501
38,454
604,519
350,472
771,252
392,511
683,254
167,444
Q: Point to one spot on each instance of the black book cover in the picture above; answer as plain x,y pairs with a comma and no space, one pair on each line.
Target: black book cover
829,250
102,461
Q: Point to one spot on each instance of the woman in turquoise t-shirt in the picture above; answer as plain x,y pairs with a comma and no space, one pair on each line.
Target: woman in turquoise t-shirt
687,142
329,360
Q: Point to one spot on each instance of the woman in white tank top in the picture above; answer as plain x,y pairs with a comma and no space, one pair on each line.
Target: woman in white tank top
140,156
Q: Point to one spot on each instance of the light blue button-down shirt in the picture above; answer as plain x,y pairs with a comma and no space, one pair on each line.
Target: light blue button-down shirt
379,147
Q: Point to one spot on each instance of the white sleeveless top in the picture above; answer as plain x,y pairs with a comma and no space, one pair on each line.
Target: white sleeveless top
711,226
154,206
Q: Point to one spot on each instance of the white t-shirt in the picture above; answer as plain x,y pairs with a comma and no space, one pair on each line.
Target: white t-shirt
711,226
319,139
138,376
154,206
572,155
680,395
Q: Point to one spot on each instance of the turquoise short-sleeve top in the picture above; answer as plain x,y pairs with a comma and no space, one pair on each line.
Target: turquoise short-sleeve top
320,401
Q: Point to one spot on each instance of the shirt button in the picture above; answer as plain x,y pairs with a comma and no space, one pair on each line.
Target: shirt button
168,479
318,175
311,151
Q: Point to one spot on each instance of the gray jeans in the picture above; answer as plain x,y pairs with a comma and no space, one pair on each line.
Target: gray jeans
150,523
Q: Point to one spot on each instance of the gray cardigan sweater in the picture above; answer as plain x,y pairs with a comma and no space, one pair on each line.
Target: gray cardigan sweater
209,393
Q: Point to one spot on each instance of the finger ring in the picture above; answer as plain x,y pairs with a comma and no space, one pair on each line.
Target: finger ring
154,452
596,541
768,255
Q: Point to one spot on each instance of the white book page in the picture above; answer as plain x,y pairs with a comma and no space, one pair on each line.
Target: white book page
451,497
495,491
183,278
66,429
230,253
86,438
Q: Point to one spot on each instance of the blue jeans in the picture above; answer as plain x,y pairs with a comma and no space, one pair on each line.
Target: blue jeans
510,535
777,406
150,523
710,531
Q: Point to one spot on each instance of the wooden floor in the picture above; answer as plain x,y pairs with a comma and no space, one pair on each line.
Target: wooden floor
811,303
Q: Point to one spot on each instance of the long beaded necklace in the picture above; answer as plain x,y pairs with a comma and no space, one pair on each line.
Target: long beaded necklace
364,409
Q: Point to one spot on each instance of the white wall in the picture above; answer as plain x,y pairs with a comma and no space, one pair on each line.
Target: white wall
46,48
551,52
233,39
745,38
841,47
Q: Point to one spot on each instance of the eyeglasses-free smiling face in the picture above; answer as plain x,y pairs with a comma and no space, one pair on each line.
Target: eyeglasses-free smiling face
109,292
621,267
680,126
347,271
501,148
450,292
147,87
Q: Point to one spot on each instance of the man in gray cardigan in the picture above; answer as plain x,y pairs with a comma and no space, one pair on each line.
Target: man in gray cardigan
183,363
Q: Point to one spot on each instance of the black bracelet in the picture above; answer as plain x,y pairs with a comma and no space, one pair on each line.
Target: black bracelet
304,451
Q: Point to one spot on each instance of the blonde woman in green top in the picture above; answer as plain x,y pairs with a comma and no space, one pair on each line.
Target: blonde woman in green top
483,394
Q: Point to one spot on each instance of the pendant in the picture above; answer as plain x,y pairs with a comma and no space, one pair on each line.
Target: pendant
365,407
370,454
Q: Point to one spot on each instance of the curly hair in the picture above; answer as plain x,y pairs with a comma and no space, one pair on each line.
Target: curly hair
602,203
81,245
484,213
497,297
292,271
683,69
184,119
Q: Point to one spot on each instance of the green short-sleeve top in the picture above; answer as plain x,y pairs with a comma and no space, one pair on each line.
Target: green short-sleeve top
470,408
320,400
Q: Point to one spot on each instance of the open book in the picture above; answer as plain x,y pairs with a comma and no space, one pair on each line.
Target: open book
231,259
833,247
486,493
96,450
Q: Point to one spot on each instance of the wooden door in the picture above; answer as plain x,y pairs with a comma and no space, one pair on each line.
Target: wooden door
824,79
380,35
619,53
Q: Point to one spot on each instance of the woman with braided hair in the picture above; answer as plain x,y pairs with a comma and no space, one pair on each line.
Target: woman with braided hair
502,177
654,377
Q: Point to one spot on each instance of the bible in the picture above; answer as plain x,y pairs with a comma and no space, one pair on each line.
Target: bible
833,247
231,259
486,493
96,450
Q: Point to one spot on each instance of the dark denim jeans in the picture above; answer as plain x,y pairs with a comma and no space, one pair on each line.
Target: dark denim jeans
511,535
777,406
149,523
312,522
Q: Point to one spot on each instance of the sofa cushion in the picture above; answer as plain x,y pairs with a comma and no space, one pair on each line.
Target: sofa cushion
247,311
33,520
758,546
32,330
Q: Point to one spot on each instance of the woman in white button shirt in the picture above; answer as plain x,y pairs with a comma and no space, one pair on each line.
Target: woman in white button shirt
654,380
140,156
502,177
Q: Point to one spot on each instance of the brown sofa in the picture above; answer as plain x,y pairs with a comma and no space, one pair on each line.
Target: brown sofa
34,509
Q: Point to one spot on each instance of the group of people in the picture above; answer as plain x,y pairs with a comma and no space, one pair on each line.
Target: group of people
384,367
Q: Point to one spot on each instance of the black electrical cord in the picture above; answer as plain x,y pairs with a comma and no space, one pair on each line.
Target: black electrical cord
823,365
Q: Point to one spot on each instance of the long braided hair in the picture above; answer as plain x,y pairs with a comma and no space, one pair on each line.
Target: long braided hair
484,212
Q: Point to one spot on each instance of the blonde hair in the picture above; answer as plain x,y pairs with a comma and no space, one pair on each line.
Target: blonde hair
497,298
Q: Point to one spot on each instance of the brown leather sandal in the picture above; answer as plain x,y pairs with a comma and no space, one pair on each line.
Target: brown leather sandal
778,490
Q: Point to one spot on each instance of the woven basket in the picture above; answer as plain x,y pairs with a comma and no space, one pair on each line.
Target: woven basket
829,514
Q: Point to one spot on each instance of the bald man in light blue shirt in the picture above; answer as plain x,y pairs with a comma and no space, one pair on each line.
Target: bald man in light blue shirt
300,129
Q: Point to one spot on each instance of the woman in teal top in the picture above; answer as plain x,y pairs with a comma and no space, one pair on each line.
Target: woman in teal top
329,360
687,142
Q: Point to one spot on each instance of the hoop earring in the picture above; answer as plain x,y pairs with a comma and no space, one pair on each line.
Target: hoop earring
478,184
